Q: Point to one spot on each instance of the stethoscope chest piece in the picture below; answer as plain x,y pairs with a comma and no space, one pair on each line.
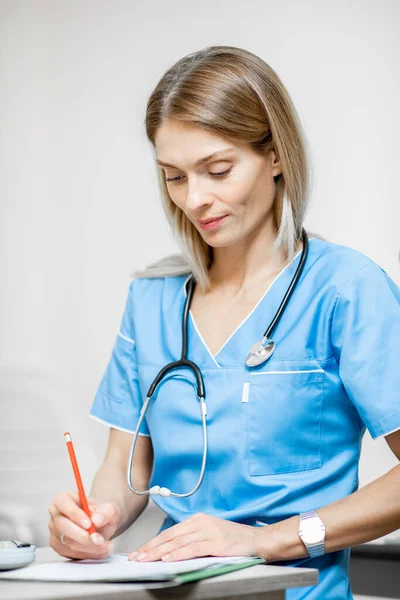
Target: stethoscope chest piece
260,352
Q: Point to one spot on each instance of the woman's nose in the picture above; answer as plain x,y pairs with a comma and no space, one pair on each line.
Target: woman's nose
197,195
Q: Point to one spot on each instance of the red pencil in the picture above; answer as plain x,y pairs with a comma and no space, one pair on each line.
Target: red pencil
78,479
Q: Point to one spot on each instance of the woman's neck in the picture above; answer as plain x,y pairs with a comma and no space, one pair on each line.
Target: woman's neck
240,266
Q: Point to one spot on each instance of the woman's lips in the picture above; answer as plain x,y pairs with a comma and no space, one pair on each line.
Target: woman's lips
212,224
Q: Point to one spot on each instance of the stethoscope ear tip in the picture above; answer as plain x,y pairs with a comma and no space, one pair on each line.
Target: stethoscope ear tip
259,353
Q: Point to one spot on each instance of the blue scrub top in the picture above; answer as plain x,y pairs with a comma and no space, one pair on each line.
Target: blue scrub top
283,437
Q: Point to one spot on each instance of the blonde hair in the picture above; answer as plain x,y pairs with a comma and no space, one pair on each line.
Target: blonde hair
234,93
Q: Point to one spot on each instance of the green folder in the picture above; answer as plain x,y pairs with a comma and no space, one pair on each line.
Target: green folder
218,569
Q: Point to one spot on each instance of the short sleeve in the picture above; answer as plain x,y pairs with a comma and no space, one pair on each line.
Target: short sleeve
118,400
365,339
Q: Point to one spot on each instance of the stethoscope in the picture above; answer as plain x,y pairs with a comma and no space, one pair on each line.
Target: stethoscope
259,353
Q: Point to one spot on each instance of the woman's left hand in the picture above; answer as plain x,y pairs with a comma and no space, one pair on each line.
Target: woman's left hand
201,535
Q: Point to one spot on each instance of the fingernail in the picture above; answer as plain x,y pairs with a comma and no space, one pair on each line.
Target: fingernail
97,539
165,557
85,523
132,555
97,519
142,556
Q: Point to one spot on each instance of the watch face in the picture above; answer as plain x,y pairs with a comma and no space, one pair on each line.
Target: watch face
312,532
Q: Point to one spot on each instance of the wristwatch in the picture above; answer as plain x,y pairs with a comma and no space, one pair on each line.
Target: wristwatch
312,533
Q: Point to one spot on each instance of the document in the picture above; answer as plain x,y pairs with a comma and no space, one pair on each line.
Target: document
117,567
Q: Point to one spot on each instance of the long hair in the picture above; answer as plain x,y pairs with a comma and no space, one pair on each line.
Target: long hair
233,93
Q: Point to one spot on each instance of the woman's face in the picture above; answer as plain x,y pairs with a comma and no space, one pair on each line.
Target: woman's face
238,184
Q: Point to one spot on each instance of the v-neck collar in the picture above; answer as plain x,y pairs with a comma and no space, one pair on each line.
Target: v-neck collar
271,285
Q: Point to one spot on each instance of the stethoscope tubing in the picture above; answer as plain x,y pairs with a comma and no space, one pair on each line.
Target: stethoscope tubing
291,288
162,491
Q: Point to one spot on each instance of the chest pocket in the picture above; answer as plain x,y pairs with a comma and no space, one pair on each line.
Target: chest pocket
283,407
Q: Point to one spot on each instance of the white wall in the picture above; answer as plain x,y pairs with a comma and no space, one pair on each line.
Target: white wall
79,206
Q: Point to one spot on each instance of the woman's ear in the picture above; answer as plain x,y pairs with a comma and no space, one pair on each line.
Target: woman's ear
275,164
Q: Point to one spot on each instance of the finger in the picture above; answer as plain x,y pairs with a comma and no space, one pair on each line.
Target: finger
194,550
75,532
89,550
169,547
76,498
70,549
81,555
53,512
167,535
56,526
92,504
67,504
106,514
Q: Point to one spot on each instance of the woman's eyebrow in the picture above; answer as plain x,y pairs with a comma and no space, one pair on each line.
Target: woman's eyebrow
200,161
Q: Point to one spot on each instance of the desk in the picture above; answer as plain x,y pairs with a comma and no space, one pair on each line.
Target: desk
261,582
375,569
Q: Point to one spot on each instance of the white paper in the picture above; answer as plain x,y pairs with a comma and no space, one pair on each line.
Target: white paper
115,568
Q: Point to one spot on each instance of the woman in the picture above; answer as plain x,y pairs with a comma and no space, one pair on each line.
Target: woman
284,433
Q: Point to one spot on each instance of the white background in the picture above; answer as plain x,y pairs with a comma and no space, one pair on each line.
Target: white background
79,203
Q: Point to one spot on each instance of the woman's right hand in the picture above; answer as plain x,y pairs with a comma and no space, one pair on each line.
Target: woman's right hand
68,518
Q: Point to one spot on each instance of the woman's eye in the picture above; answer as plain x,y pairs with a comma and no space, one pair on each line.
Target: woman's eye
176,179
